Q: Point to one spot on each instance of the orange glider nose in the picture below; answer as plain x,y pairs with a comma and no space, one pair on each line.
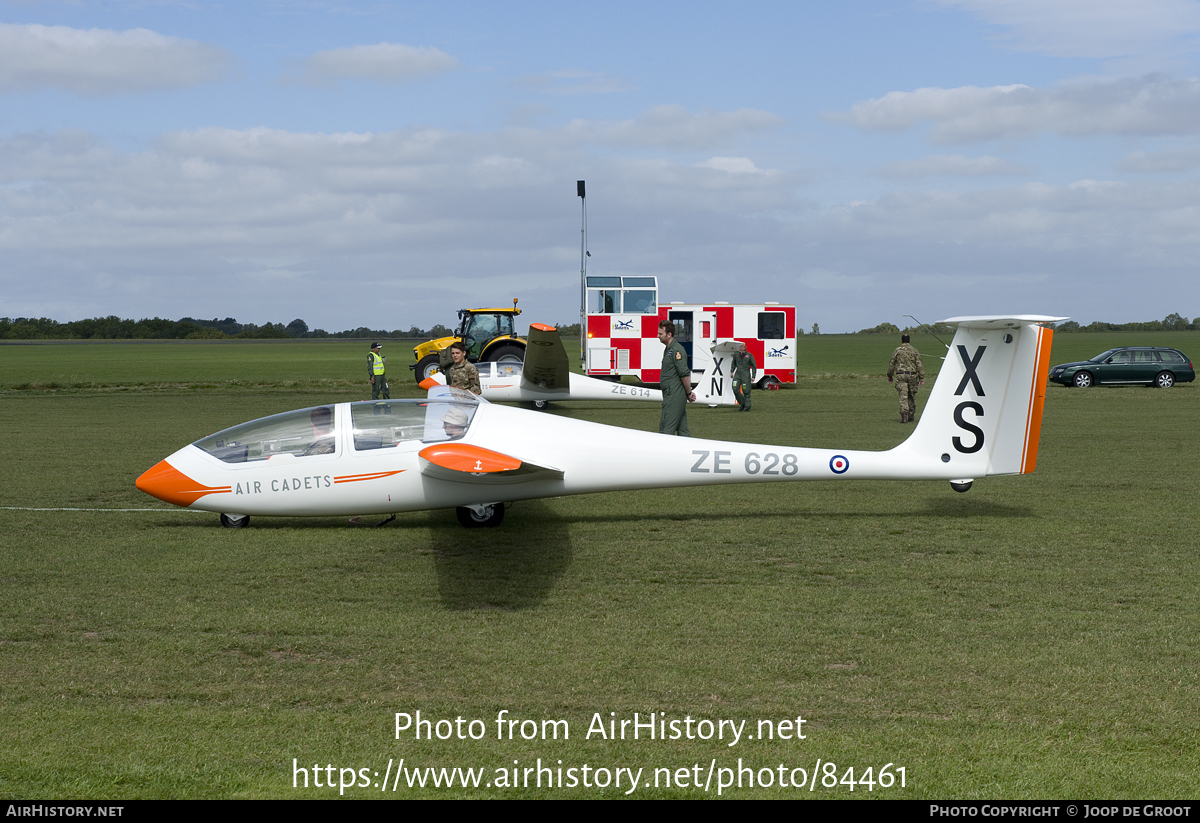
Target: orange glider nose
170,485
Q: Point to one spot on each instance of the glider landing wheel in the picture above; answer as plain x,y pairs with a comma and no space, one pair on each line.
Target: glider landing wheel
541,405
488,516
1165,380
961,486
429,364
235,521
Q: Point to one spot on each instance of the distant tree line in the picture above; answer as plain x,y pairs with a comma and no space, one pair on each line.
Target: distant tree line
186,328
189,328
924,328
1172,322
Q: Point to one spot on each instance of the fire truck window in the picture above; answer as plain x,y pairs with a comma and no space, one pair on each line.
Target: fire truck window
770,325
640,302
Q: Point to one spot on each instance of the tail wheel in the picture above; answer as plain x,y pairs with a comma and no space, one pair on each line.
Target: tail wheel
480,517
507,353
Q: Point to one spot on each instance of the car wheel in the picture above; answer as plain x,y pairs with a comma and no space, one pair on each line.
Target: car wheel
1083,380
506,354
429,365
235,521
1164,380
493,515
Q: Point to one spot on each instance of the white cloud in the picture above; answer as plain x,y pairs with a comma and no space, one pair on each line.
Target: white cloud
1150,105
1088,28
733,165
289,224
674,127
1169,160
385,63
949,165
102,61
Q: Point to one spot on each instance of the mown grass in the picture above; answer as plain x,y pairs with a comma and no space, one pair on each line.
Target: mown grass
1033,638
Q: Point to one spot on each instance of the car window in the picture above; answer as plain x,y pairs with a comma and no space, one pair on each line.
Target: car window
1171,357
1145,357
1100,358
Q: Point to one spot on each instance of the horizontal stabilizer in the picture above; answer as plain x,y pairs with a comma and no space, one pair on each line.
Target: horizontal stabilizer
464,463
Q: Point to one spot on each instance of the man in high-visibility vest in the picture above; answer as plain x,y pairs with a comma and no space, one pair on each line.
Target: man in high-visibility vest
376,373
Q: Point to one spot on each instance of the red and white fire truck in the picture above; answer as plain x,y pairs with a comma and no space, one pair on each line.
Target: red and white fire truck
623,314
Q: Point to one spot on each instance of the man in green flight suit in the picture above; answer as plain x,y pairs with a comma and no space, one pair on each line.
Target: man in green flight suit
675,380
745,369
375,371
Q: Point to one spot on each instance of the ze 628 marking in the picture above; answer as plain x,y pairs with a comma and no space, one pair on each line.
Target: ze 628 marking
770,464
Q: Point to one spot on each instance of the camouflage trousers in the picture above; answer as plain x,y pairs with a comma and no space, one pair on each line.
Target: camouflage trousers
906,387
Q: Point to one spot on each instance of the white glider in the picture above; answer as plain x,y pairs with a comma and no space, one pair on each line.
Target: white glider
455,450
546,375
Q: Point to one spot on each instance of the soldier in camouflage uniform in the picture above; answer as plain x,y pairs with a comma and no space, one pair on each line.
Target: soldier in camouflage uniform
463,374
909,373
675,380
745,369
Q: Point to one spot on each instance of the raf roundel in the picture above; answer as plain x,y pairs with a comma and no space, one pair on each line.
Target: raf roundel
838,464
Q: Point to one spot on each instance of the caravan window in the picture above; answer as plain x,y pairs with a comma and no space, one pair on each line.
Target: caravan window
771,325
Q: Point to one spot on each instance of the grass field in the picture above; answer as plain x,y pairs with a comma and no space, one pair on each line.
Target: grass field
1034,638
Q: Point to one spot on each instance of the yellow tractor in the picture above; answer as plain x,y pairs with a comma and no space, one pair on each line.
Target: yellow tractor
490,334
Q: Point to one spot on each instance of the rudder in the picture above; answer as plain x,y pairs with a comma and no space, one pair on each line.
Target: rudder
984,414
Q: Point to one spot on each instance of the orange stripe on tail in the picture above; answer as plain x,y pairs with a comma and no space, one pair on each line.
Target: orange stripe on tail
1033,424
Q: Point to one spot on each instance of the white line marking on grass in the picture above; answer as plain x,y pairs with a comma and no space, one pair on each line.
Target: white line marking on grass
66,509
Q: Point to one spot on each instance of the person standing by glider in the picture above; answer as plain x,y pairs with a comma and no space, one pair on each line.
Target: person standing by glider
675,380
376,373
745,369
909,373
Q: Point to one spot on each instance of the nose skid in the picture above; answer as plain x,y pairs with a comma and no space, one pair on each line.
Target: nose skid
170,485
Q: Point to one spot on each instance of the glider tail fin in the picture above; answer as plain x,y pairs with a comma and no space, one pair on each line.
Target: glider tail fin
984,413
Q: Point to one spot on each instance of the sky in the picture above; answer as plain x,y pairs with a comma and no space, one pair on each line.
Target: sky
383,164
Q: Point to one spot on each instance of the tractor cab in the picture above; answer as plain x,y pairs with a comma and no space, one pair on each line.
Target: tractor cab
478,327
490,335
